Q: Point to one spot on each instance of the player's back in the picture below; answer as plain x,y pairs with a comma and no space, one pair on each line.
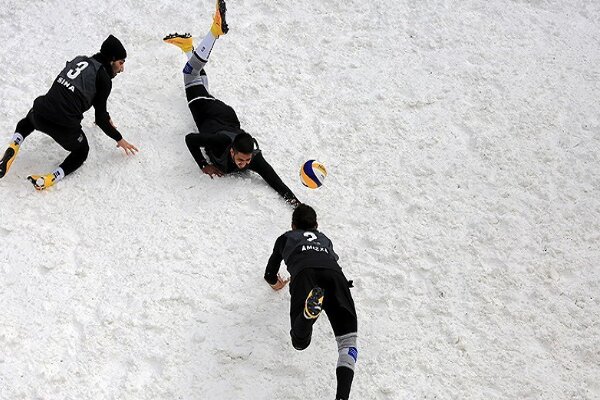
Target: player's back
71,93
309,248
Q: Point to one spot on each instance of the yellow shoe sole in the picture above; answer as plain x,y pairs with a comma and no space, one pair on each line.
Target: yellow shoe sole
41,182
184,41
7,159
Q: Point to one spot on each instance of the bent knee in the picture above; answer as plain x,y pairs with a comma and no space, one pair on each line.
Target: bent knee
300,343
83,148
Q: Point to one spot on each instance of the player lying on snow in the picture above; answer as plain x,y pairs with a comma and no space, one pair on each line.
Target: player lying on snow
317,283
83,83
228,147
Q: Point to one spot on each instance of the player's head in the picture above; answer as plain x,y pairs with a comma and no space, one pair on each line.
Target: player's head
304,217
114,52
241,150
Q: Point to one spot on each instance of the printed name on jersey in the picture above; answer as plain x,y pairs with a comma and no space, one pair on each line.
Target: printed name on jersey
315,248
66,83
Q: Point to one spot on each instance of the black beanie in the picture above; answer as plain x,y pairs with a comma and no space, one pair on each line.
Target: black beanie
113,49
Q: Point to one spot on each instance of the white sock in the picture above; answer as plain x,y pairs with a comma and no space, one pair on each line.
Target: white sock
58,174
205,47
18,138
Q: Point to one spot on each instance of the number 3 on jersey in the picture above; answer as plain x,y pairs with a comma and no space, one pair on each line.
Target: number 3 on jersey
310,236
74,73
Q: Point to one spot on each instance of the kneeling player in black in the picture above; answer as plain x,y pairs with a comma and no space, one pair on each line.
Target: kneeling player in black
228,147
83,83
316,283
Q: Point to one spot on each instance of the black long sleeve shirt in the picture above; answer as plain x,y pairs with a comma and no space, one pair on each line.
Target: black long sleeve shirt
217,145
301,249
65,108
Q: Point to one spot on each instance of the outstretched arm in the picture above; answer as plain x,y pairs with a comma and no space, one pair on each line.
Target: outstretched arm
271,272
103,88
264,169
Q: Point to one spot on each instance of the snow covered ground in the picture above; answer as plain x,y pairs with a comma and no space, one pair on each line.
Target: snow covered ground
463,144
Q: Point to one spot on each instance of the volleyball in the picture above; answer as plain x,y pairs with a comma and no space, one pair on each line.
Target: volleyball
312,174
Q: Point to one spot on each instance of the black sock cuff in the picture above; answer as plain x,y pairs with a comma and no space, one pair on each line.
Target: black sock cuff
344,382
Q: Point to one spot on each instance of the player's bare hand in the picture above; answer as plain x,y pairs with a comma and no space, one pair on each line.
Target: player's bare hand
280,284
211,171
128,147
293,202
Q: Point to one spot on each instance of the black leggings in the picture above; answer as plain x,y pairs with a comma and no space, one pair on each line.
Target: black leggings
70,139
210,115
338,304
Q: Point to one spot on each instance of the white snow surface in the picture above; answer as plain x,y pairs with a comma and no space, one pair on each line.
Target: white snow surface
462,140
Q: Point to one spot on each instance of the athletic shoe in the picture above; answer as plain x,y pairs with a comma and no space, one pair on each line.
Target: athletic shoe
183,41
314,303
219,26
7,159
41,182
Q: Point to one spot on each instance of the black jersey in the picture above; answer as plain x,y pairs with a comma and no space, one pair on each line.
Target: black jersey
217,147
301,249
83,83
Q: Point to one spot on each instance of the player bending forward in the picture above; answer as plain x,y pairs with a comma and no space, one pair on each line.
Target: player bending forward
85,82
316,284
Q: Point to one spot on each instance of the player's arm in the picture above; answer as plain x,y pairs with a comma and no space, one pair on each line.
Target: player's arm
271,272
103,88
264,169
196,141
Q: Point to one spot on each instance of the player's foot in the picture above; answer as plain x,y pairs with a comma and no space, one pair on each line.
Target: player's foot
183,41
41,182
7,159
219,26
314,303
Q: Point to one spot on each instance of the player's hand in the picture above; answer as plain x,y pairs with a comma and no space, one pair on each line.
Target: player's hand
293,202
280,284
128,147
211,170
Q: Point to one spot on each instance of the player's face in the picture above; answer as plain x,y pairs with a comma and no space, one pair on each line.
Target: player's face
241,159
118,66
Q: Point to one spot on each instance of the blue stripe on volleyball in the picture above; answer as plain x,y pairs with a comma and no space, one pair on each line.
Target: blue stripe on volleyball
308,170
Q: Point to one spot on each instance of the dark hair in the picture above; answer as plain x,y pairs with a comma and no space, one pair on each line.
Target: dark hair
304,217
244,143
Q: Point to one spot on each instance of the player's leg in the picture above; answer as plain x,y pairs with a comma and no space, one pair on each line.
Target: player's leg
207,111
193,72
23,129
344,371
305,307
341,312
76,143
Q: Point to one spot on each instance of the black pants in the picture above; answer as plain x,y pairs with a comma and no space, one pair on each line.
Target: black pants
210,115
70,139
337,304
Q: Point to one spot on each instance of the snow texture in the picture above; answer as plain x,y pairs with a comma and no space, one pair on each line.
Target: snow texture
462,140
